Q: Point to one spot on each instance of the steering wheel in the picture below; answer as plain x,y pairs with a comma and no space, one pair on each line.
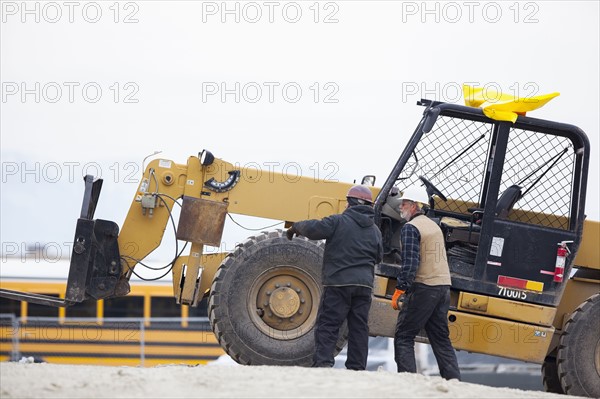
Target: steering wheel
431,189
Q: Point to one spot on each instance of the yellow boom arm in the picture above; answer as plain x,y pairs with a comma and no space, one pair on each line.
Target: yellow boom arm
209,192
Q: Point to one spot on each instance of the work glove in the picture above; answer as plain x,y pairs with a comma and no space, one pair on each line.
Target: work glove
291,232
396,298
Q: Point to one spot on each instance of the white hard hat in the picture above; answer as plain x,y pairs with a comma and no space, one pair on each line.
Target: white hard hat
391,207
416,194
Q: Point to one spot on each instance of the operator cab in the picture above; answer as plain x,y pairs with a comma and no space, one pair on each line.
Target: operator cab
504,194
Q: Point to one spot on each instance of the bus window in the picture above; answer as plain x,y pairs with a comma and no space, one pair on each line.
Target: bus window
164,307
201,310
10,306
82,309
127,306
35,310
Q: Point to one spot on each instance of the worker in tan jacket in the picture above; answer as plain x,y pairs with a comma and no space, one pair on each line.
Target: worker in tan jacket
424,281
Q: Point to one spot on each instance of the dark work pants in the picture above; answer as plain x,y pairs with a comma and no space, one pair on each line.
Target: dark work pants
350,303
425,307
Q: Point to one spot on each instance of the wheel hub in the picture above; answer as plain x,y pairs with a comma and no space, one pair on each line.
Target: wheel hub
284,302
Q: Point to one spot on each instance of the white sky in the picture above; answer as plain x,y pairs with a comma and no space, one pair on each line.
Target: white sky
376,58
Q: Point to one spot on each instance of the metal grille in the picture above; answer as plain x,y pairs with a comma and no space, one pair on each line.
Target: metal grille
551,159
453,157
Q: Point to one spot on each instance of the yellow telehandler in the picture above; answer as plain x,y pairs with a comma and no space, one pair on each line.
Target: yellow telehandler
508,196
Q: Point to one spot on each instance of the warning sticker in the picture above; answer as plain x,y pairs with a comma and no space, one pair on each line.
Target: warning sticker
164,163
497,246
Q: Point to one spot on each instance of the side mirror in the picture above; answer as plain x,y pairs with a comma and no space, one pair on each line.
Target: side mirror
206,157
368,180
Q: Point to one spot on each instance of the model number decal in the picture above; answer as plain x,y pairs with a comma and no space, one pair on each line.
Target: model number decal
507,292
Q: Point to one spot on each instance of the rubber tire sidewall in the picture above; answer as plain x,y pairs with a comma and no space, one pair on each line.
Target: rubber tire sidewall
550,376
228,303
577,349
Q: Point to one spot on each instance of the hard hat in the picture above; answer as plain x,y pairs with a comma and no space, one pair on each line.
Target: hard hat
415,194
392,204
360,192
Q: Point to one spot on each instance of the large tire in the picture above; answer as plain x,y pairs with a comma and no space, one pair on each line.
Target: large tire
264,300
578,355
550,376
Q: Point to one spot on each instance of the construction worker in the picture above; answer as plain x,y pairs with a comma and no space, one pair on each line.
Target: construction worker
424,285
353,247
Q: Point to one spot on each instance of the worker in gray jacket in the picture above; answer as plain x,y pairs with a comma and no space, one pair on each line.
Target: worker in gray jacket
353,247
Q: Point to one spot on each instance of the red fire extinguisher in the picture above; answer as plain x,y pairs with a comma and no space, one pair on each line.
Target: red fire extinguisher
561,260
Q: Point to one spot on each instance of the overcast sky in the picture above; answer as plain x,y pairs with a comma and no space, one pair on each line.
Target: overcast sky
97,86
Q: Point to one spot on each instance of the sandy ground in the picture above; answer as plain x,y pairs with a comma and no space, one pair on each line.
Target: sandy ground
41,380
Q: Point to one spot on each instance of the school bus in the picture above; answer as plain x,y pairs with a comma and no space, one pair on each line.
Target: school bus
144,328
